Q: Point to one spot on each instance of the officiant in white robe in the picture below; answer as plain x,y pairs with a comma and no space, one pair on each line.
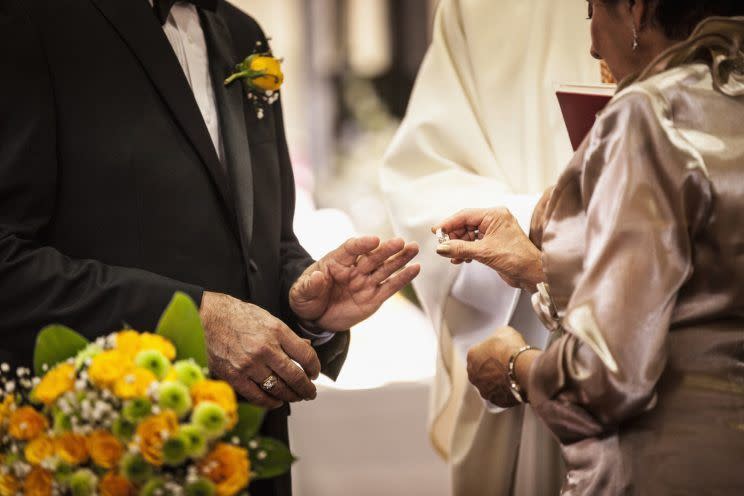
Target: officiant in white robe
484,129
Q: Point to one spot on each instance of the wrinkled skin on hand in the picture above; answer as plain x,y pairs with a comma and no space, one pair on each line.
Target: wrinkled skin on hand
501,245
488,366
246,344
350,283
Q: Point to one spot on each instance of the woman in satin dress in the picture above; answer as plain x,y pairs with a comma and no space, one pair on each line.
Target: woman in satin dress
636,262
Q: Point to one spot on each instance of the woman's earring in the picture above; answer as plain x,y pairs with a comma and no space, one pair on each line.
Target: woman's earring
635,39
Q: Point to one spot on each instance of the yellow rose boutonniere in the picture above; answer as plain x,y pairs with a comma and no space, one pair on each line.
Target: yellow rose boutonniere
55,383
262,77
260,72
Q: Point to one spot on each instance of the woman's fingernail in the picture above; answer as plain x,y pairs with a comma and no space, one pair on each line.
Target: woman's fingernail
444,249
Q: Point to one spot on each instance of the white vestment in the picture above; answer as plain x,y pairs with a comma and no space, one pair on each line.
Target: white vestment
484,129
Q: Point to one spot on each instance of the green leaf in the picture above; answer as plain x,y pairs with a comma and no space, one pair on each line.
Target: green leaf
250,418
55,344
181,324
278,459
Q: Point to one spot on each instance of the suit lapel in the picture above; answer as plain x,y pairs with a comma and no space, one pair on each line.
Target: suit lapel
140,30
230,101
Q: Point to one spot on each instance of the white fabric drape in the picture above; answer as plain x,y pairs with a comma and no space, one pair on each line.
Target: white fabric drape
484,129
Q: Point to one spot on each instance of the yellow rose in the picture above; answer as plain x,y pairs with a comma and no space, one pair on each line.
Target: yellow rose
154,342
38,482
218,392
107,367
134,384
152,433
271,77
9,485
26,424
105,450
39,450
71,448
128,342
55,383
113,484
228,467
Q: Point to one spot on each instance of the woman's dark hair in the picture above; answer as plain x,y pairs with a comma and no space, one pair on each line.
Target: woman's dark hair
678,18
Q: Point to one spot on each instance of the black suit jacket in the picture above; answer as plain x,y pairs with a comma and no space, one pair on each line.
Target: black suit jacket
112,195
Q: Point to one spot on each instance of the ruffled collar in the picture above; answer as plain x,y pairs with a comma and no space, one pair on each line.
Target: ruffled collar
718,42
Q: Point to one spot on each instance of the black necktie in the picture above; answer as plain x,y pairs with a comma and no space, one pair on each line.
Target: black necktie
162,7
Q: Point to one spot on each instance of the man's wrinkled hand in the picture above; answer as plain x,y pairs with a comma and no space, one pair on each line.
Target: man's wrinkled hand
247,344
350,283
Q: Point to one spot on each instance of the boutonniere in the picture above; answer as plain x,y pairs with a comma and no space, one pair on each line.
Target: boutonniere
261,74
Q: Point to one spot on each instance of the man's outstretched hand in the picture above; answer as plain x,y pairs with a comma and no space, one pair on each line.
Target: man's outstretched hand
350,283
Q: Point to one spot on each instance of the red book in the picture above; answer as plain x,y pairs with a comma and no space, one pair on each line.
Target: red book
580,104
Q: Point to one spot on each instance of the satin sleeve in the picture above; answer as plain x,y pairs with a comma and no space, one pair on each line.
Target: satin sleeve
643,190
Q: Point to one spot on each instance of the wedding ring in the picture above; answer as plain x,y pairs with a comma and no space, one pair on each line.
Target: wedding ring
441,236
269,383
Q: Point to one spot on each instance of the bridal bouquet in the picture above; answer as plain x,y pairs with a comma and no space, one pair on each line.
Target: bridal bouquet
129,414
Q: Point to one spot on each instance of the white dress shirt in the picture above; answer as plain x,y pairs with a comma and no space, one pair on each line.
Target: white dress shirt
184,31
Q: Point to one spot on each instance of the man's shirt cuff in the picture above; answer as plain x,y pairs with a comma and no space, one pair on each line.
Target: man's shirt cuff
317,337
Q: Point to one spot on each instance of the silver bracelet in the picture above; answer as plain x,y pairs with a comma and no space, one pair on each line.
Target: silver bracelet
514,386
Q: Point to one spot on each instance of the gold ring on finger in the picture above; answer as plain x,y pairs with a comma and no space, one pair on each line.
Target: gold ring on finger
269,383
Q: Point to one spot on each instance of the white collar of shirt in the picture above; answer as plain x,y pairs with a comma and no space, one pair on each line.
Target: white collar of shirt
185,34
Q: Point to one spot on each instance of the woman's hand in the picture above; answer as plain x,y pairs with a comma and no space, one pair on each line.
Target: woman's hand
488,366
494,238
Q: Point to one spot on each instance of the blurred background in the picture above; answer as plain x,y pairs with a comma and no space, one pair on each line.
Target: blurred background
349,69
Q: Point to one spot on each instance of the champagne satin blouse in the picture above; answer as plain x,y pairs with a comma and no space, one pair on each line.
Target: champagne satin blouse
644,259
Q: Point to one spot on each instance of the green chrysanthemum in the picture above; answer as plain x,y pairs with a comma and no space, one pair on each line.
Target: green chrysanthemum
136,469
123,429
202,487
188,372
83,483
197,440
175,450
154,361
153,487
174,396
211,417
136,409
